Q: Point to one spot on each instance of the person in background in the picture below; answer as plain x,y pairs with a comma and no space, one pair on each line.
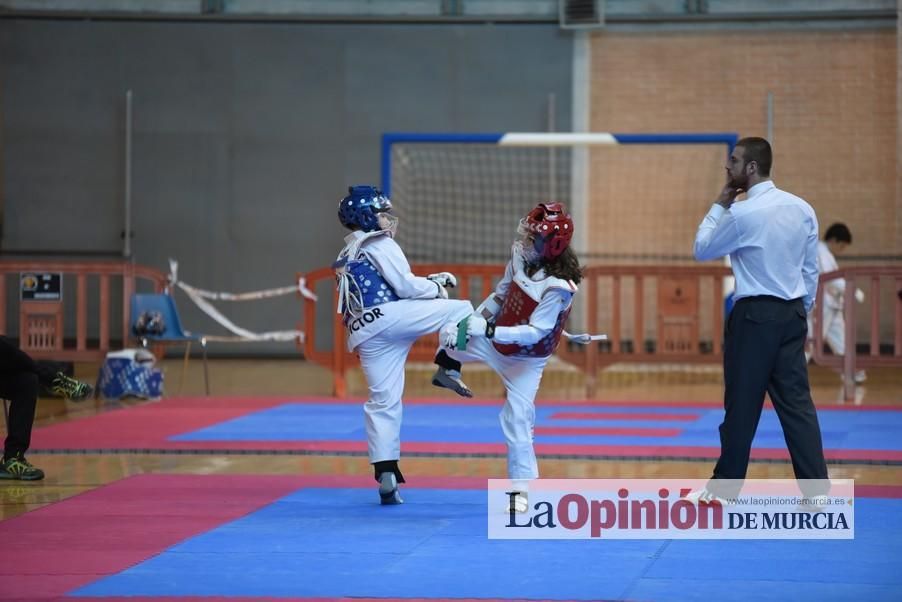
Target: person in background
837,239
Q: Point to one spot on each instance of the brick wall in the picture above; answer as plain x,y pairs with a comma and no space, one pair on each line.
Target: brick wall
835,128
836,118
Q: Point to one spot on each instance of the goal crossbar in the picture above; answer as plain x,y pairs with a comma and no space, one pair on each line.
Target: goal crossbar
545,139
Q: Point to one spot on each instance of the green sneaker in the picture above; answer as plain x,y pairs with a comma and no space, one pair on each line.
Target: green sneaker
19,468
69,387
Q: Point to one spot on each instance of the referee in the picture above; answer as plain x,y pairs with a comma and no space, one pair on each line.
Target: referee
771,238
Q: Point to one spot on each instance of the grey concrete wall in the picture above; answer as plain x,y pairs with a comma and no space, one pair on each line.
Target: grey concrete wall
245,134
516,9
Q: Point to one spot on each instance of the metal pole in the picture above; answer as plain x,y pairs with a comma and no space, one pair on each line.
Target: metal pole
127,235
552,167
770,117
579,163
848,362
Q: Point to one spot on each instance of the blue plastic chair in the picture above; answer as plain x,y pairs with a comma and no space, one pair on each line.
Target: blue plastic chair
173,334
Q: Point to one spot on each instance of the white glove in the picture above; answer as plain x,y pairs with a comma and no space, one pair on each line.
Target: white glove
443,279
476,326
859,295
448,336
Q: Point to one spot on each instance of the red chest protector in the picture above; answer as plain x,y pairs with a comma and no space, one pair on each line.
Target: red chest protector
516,311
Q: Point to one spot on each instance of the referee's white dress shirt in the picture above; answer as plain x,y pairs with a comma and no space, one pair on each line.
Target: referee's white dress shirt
771,238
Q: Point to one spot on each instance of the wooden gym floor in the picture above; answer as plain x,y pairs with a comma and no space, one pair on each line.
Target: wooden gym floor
73,473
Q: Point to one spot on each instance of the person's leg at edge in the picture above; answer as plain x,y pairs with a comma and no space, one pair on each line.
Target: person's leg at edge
21,389
14,361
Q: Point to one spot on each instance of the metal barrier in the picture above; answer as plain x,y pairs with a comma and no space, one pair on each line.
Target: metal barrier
682,331
41,320
686,301
850,362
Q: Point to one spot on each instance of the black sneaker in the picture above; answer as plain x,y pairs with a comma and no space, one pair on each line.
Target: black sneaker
450,379
69,387
17,467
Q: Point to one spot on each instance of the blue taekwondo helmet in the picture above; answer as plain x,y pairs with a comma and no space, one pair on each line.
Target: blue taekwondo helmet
359,210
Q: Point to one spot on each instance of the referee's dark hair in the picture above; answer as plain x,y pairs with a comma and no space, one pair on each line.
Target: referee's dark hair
839,232
757,150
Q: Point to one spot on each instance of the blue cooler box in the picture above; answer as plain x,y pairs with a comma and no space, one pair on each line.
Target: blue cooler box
130,373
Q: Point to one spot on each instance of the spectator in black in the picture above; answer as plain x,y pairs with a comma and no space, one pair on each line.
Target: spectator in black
20,377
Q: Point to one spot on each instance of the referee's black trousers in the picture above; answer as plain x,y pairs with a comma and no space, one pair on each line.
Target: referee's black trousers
764,351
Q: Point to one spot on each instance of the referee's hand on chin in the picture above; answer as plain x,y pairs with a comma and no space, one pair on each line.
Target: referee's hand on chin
728,196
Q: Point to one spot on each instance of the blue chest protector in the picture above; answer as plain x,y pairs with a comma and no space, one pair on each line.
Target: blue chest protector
373,287
361,286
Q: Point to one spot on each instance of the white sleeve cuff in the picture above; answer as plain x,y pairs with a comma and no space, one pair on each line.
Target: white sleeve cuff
716,211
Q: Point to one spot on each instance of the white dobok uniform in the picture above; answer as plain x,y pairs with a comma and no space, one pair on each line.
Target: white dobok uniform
529,313
834,326
386,308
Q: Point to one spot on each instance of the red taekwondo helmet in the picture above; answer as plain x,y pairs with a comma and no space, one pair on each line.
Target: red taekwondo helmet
550,227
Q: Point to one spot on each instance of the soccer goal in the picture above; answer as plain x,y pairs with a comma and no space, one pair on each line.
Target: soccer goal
635,198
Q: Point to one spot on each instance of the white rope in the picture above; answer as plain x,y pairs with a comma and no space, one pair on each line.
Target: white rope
300,287
350,297
199,296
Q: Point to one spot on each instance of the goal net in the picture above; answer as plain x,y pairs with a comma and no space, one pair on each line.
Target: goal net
635,198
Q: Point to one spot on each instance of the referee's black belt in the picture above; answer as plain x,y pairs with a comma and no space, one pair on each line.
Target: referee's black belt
770,299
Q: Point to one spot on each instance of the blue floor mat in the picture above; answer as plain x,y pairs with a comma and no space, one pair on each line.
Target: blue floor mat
841,429
341,543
